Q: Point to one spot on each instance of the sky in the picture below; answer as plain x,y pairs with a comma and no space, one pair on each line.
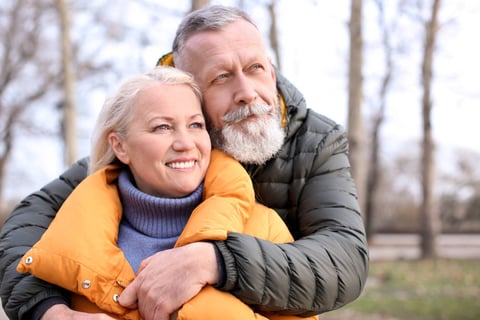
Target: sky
317,44
456,94
314,45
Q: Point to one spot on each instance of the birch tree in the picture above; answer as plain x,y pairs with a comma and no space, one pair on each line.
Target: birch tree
430,220
273,34
356,134
197,4
386,29
69,124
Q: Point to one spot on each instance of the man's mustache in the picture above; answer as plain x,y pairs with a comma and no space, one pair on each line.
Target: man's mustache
244,112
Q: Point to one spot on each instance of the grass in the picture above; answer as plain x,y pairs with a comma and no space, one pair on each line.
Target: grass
418,290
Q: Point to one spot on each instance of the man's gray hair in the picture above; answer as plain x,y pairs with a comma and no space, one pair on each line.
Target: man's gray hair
213,17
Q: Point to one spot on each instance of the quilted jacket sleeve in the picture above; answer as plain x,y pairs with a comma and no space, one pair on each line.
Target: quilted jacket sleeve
327,266
22,229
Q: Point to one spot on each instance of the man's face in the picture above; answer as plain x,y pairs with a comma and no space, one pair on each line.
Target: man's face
231,67
239,87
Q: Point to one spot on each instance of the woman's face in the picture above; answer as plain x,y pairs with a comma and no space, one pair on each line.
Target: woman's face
167,147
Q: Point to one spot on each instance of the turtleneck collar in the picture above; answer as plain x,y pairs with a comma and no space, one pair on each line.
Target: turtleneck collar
154,216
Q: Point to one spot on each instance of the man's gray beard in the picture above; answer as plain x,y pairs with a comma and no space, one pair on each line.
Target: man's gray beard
250,142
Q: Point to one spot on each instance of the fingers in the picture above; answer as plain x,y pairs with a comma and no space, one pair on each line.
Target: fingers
147,306
129,297
168,279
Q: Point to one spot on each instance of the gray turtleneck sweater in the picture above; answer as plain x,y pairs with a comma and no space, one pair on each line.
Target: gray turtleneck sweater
151,224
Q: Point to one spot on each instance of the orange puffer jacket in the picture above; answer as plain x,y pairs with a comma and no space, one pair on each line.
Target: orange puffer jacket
79,250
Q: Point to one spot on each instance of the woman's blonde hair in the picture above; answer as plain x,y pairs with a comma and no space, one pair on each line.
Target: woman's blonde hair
115,115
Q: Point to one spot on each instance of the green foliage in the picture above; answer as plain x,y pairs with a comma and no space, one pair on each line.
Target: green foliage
419,290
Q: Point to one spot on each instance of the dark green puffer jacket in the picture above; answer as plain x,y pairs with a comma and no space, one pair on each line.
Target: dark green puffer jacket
308,184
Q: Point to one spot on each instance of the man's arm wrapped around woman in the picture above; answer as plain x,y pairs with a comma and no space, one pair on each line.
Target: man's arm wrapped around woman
20,293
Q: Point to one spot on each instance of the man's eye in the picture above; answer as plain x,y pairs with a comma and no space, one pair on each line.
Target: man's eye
221,77
256,66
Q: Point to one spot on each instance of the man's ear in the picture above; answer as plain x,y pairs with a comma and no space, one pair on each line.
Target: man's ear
118,147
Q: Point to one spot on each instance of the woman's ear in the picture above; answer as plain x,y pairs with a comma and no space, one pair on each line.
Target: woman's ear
118,147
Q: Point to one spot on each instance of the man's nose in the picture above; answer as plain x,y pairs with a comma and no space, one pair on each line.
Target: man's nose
245,90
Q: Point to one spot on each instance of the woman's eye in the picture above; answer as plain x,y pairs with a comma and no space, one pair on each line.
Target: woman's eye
161,127
198,125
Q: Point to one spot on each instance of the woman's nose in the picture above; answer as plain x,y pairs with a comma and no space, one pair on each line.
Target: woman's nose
183,141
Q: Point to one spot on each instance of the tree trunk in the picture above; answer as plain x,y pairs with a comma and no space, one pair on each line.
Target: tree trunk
430,221
7,135
197,4
356,134
274,34
374,161
69,108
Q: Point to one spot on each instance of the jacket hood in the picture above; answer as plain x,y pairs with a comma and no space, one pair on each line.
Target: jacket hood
296,107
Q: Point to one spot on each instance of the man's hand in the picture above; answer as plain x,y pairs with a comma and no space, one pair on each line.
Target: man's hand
62,312
168,279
